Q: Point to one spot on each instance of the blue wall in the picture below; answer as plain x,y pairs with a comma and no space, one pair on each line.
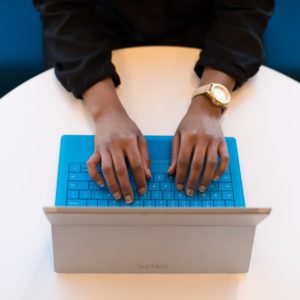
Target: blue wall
21,54
282,38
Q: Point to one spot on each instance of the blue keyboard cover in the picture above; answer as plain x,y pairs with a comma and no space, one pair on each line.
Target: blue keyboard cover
80,190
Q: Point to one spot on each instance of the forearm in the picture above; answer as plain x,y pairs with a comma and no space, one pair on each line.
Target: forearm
102,98
81,58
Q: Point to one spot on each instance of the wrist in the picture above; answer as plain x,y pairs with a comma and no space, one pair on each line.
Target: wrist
202,105
101,98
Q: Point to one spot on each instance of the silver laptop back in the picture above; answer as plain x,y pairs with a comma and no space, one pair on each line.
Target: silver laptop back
139,240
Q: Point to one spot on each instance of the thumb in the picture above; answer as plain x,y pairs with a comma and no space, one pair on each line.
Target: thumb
142,144
175,150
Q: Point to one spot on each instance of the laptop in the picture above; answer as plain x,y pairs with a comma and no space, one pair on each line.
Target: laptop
162,231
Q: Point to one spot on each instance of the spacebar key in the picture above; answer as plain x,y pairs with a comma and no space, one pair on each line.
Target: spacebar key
78,185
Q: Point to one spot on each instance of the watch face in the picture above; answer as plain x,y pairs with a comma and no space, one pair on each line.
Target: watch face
220,93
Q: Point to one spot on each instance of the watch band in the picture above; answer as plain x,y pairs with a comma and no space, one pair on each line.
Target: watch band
207,91
201,90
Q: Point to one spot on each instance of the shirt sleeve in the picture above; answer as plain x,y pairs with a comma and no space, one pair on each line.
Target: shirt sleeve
80,55
233,44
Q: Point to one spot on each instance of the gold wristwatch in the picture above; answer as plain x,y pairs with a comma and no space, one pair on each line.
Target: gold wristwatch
216,93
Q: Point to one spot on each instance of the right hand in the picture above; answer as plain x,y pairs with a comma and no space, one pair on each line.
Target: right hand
117,137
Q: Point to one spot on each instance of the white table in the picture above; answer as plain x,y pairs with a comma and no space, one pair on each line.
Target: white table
156,86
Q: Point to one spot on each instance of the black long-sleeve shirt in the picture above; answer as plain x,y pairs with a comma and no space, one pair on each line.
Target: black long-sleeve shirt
80,34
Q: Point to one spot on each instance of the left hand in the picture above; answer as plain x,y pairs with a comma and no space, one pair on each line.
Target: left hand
199,139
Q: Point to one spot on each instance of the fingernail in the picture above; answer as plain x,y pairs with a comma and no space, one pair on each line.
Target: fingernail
100,183
142,191
179,186
117,195
216,178
202,188
149,172
190,192
128,199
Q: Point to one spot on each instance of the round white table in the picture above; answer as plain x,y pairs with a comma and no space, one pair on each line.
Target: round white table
157,83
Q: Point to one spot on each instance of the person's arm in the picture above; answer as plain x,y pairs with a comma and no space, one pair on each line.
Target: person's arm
83,65
117,137
233,44
199,139
232,53
80,54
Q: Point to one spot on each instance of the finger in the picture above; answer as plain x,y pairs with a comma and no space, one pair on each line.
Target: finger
143,149
136,165
224,160
196,168
91,164
210,166
175,151
184,156
109,174
121,172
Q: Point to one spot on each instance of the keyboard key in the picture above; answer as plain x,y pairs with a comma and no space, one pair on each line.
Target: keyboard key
207,203
122,203
138,203
76,203
78,185
179,195
149,203
227,195
225,178
229,204
165,186
107,196
79,176
204,196
219,203
74,167
227,171
213,186
83,168
94,186
92,203
159,177
84,194
102,203
153,186
146,196
196,203
72,194
113,203
169,178
96,194
173,186
161,203
184,203
168,195
156,195
225,186
216,196
194,196
172,203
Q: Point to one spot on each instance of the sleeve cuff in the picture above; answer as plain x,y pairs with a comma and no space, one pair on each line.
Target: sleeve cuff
84,81
232,70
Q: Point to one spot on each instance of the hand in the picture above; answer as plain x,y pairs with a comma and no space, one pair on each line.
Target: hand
117,137
199,138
